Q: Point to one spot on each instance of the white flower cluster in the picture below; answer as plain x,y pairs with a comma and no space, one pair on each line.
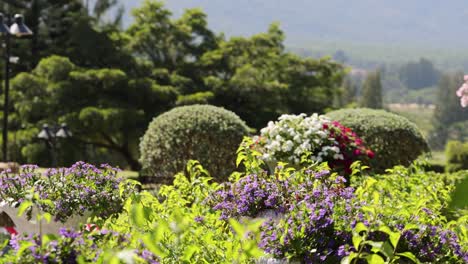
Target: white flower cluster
292,136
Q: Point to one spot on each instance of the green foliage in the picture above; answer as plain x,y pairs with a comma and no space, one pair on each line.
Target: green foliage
371,95
448,110
394,139
203,132
398,217
418,75
413,188
196,98
411,202
458,131
457,156
184,229
346,96
104,108
381,251
250,75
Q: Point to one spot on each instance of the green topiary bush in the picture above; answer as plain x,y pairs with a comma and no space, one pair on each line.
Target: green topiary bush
394,139
205,133
457,156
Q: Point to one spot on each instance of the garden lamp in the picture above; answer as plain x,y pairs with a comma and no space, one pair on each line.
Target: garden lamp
20,29
17,29
64,132
45,133
3,27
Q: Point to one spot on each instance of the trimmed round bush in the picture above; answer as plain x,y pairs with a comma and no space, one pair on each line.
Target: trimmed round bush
393,138
205,133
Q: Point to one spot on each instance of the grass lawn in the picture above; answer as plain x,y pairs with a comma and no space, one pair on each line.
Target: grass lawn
438,157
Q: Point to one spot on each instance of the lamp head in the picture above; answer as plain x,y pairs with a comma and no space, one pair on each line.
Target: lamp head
45,133
20,29
3,27
64,132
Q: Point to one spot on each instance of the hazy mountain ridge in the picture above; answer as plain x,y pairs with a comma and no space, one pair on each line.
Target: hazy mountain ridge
432,23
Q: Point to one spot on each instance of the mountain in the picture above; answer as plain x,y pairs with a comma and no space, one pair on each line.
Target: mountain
370,32
430,23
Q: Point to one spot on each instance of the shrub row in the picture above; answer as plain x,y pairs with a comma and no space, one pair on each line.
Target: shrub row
212,135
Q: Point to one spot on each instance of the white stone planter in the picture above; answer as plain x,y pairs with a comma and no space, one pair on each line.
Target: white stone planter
23,225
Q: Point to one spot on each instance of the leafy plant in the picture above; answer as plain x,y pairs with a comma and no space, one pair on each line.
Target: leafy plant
207,133
65,192
394,139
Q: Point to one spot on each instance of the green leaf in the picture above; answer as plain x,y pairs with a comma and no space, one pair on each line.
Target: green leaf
23,207
393,236
189,251
375,259
49,237
138,215
360,227
154,246
48,202
238,227
113,260
349,259
409,256
387,250
240,157
411,226
357,241
25,245
47,217
376,246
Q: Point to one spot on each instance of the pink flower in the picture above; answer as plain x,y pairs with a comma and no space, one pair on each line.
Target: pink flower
464,101
462,92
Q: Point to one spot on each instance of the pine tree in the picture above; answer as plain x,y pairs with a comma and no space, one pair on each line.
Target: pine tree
372,91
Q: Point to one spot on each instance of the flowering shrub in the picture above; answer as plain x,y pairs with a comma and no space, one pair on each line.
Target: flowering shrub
462,92
65,192
294,136
249,196
314,217
317,219
72,246
394,139
314,226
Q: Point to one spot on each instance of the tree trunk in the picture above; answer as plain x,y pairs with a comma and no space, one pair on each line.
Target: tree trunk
132,162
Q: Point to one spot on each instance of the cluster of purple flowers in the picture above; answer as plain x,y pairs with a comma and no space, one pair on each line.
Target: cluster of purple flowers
65,249
311,231
76,190
72,245
250,196
306,203
317,213
432,243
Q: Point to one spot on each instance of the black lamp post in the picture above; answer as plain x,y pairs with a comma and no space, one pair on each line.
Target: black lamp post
50,137
17,29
